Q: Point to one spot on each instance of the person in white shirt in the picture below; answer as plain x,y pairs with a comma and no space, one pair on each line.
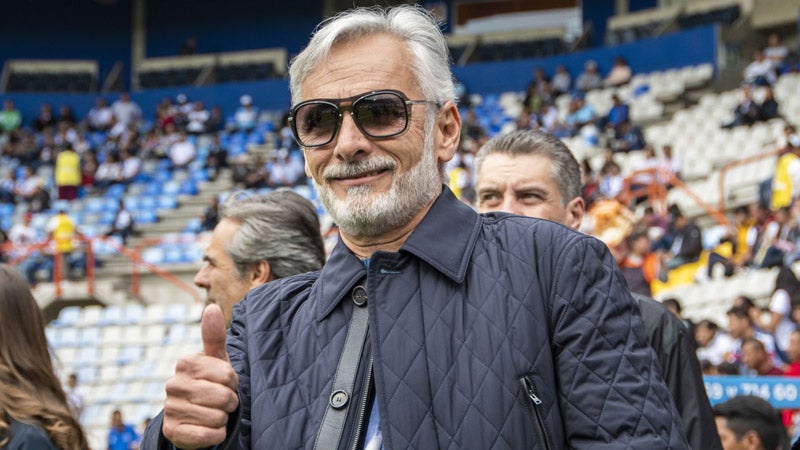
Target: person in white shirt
74,396
100,117
182,152
246,116
125,111
760,72
197,118
779,321
713,344
131,165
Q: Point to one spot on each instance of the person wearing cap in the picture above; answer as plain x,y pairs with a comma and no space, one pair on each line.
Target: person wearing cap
750,422
246,116
534,174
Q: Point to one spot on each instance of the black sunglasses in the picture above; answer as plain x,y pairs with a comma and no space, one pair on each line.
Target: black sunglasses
378,114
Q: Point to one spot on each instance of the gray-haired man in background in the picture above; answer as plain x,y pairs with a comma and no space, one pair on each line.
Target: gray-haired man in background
259,238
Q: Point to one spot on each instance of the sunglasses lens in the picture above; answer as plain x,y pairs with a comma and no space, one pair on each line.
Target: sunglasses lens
381,115
315,123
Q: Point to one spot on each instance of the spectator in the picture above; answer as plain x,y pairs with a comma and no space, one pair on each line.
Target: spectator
100,117
620,73
121,436
640,265
590,78
776,53
779,322
247,114
768,108
747,112
197,119
45,119
10,117
611,181
619,113
68,173
749,422
33,407
7,182
283,170
741,327
562,81
580,114
778,240
628,138
210,216
182,152
713,344
66,116
217,158
88,170
108,172
130,166
786,182
28,186
756,359
216,120
687,242
62,231
387,197
259,238
793,354
760,72
23,237
126,112
74,396
189,46
123,224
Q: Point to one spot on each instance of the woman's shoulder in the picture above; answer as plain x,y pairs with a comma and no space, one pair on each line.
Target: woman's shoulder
27,436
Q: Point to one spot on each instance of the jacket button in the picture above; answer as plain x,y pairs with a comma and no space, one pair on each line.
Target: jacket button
360,295
338,399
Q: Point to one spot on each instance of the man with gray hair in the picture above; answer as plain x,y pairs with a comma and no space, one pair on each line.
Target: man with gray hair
259,238
532,173
430,326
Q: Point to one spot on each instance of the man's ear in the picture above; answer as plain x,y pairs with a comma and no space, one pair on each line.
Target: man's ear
261,273
575,212
448,132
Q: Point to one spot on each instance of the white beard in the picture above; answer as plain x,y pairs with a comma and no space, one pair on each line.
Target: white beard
365,213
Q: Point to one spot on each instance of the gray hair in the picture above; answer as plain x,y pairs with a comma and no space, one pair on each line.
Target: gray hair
279,227
411,24
566,171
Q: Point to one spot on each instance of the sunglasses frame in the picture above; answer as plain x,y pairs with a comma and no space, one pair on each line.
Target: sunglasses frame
337,103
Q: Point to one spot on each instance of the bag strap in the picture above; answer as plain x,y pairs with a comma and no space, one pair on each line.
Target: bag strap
330,432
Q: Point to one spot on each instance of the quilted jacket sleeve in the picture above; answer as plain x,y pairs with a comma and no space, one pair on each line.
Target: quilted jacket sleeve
611,391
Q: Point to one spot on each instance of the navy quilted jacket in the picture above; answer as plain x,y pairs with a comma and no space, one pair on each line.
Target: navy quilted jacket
491,331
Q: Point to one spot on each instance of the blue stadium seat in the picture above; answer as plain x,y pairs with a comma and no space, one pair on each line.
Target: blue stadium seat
68,317
154,256
115,191
167,202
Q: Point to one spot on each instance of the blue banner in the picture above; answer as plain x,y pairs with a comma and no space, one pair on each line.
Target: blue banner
781,392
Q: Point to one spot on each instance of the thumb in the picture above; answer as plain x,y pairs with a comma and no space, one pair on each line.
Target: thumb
212,329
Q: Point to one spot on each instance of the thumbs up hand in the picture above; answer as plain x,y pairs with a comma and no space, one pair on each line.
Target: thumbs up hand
203,391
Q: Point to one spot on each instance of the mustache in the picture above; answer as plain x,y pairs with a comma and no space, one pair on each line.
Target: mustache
348,170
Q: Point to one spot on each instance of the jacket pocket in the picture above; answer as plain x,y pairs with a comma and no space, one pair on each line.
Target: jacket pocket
535,407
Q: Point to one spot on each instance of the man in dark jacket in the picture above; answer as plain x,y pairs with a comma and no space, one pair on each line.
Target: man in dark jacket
430,326
534,174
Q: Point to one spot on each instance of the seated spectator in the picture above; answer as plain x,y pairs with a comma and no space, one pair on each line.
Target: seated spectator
283,170
713,344
10,117
108,172
100,117
182,152
580,114
785,184
687,241
30,261
768,108
756,359
217,158
216,121
749,422
640,266
246,116
7,181
126,111
628,137
747,112
776,53
89,168
590,78
131,165
778,240
197,118
123,223
561,81
45,119
27,186
779,321
210,216
611,182
62,231
66,116
760,72
618,113
793,354
620,73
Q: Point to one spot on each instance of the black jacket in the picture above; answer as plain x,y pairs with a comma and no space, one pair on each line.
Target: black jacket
25,436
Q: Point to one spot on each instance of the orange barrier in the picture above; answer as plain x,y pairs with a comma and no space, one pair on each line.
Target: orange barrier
134,255
723,171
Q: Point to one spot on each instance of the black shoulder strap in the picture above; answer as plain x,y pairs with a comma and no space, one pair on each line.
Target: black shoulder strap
330,432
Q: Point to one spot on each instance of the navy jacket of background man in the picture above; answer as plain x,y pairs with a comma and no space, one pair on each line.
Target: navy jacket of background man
491,331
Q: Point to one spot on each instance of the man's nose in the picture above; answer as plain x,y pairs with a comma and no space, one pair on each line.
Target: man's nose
351,141
201,278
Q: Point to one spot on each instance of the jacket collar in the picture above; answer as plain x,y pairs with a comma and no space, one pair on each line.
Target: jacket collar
444,239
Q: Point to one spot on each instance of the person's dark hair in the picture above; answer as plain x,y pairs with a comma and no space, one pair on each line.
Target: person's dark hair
751,340
280,227
726,368
672,302
565,170
745,302
747,413
708,323
787,281
30,391
739,312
